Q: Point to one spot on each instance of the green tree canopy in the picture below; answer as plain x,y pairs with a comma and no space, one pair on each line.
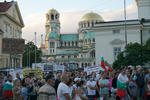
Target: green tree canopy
29,54
134,54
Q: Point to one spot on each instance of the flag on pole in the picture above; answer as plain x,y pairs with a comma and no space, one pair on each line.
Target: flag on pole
108,65
103,64
73,94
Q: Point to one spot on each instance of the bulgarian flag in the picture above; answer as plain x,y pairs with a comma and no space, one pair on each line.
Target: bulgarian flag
121,89
108,65
73,95
8,90
103,64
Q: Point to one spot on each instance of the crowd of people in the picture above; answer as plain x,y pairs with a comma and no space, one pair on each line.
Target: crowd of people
123,84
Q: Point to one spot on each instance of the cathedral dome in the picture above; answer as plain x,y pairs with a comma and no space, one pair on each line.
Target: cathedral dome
53,35
91,17
54,11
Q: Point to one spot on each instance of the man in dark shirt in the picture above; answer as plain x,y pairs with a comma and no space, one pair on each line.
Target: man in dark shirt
140,83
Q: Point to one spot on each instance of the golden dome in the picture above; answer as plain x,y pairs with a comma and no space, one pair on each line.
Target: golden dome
92,17
52,11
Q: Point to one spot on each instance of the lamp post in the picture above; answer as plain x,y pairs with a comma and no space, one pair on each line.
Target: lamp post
35,49
125,17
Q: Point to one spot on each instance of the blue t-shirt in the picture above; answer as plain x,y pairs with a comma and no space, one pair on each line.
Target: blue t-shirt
105,89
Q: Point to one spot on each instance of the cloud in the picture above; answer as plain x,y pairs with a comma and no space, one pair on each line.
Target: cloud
69,21
131,11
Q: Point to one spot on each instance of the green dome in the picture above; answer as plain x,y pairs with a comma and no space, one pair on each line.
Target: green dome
89,35
53,35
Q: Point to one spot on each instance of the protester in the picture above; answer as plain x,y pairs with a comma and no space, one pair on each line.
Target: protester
17,95
63,89
1,86
132,87
103,87
47,92
25,84
8,94
91,88
81,94
148,89
140,84
57,81
122,82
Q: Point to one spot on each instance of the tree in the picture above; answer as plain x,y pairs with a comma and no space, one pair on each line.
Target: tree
134,54
29,54
148,44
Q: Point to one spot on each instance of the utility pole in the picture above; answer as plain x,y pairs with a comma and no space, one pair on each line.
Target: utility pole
35,49
125,17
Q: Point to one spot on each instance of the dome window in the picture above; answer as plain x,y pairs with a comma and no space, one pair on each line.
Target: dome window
56,16
92,23
88,24
52,17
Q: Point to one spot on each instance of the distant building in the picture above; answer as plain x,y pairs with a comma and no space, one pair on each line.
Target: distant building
76,49
110,35
96,38
11,45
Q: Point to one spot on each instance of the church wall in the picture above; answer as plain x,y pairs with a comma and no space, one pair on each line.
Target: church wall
105,48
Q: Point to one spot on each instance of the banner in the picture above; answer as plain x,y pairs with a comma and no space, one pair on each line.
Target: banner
91,69
38,73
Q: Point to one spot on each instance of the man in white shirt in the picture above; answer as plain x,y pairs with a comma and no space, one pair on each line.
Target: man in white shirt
91,89
63,90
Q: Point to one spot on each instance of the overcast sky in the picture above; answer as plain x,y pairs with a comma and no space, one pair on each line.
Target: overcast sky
71,11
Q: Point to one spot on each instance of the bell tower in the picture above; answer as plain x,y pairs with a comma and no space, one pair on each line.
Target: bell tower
143,9
52,24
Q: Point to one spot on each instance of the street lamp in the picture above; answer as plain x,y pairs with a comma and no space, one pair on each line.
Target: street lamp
125,17
35,49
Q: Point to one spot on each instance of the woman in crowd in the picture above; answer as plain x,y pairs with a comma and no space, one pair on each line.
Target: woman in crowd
103,87
24,88
81,94
17,95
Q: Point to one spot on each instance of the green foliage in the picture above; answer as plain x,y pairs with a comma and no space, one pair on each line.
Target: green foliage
29,54
148,44
134,54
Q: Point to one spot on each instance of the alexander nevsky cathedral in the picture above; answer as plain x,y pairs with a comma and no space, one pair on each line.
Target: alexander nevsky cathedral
96,38
78,49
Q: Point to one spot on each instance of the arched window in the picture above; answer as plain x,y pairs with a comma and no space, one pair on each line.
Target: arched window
68,43
52,17
85,64
56,16
84,24
76,43
92,23
72,43
88,24
93,40
61,44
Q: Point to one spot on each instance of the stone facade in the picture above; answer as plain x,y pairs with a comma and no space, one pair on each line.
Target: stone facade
11,24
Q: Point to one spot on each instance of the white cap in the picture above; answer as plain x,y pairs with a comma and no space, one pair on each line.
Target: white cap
77,79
